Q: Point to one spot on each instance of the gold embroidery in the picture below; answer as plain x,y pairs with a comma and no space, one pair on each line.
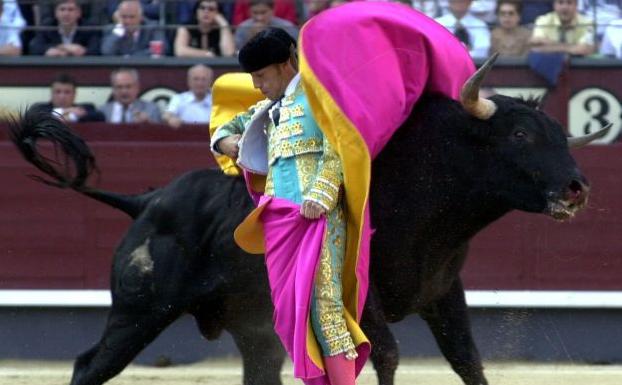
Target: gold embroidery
284,114
286,149
285,131
329,323
297,111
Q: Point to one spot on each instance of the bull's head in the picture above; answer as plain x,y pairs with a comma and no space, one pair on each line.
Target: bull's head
534,169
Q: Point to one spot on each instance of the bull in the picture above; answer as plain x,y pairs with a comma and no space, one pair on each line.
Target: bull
448,172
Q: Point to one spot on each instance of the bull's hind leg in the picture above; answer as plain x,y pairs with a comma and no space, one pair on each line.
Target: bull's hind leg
384,353
262,352
126,334
449,321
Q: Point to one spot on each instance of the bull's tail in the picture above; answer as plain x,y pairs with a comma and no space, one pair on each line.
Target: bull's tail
71,162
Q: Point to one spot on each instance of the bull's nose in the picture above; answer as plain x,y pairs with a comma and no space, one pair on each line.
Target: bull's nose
577,192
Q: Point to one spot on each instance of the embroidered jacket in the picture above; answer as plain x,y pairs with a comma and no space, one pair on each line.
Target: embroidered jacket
302,165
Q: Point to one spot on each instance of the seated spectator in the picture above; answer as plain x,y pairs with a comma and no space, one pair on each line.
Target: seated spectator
283,9
132,36
470,30
195,105
62,102
67,39
10,42
434,8
93,12
209,35
151,8
262,17
485,10
563,30
125,107
612,40
606,11
509,38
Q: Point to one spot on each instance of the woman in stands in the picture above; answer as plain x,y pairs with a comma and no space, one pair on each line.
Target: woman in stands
209,36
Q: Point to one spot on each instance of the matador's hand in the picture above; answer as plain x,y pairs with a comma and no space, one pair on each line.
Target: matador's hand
229,145
311,210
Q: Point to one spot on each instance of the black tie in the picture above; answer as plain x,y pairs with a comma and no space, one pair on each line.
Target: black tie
124,114
462,34
276,113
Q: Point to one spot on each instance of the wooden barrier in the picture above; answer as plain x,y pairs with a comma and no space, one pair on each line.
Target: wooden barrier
58,239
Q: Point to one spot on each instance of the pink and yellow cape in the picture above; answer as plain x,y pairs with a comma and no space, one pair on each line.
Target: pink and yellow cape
363,67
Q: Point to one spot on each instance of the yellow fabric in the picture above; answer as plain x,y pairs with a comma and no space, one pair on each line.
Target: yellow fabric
249,235
232,93
356,165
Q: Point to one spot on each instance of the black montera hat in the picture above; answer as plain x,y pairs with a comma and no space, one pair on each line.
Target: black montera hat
269,46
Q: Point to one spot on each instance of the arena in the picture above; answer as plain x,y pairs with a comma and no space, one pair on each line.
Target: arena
228,372
542,291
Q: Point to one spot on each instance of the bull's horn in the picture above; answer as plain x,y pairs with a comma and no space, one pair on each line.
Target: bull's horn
469,95
580,141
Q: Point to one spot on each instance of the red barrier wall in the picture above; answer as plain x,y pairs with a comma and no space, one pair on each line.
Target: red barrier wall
57,239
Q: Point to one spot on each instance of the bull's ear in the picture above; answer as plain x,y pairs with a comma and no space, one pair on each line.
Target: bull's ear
535,102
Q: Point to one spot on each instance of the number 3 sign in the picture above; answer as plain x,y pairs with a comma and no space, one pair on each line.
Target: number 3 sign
592,108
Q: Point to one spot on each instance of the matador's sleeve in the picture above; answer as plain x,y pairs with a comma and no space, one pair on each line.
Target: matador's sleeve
328,181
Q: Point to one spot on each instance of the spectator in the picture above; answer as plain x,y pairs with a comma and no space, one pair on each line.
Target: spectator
10,42
209,35
93,12
563,30
67,39
132,36
63,90
262,17
605,11
433,9
509,38
484,10
467,28
195,105
612,40
125,107
151,8
284,9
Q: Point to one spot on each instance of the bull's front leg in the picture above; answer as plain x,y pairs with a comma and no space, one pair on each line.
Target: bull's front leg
384,354
449,321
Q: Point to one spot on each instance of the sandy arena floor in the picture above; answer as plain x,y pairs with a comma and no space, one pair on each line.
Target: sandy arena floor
411,372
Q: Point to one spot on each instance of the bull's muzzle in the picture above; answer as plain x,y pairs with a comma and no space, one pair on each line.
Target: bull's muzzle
565,205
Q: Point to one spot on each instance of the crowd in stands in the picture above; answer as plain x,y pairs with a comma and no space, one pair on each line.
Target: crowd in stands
211,28
124,106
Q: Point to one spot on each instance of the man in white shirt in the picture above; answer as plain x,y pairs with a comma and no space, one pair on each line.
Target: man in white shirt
195,105
612,40
469,29
10,28
125,106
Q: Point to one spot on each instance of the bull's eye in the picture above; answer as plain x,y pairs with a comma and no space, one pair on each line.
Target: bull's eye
520,134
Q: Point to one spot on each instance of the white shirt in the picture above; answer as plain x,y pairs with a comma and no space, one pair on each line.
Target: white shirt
612,40
11,24
117,112
479,34
190,110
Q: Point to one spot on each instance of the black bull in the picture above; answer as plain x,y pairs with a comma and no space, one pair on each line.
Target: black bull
447,173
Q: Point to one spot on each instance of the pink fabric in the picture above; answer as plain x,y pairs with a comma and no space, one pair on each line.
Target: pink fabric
340,370
293,246
377,58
